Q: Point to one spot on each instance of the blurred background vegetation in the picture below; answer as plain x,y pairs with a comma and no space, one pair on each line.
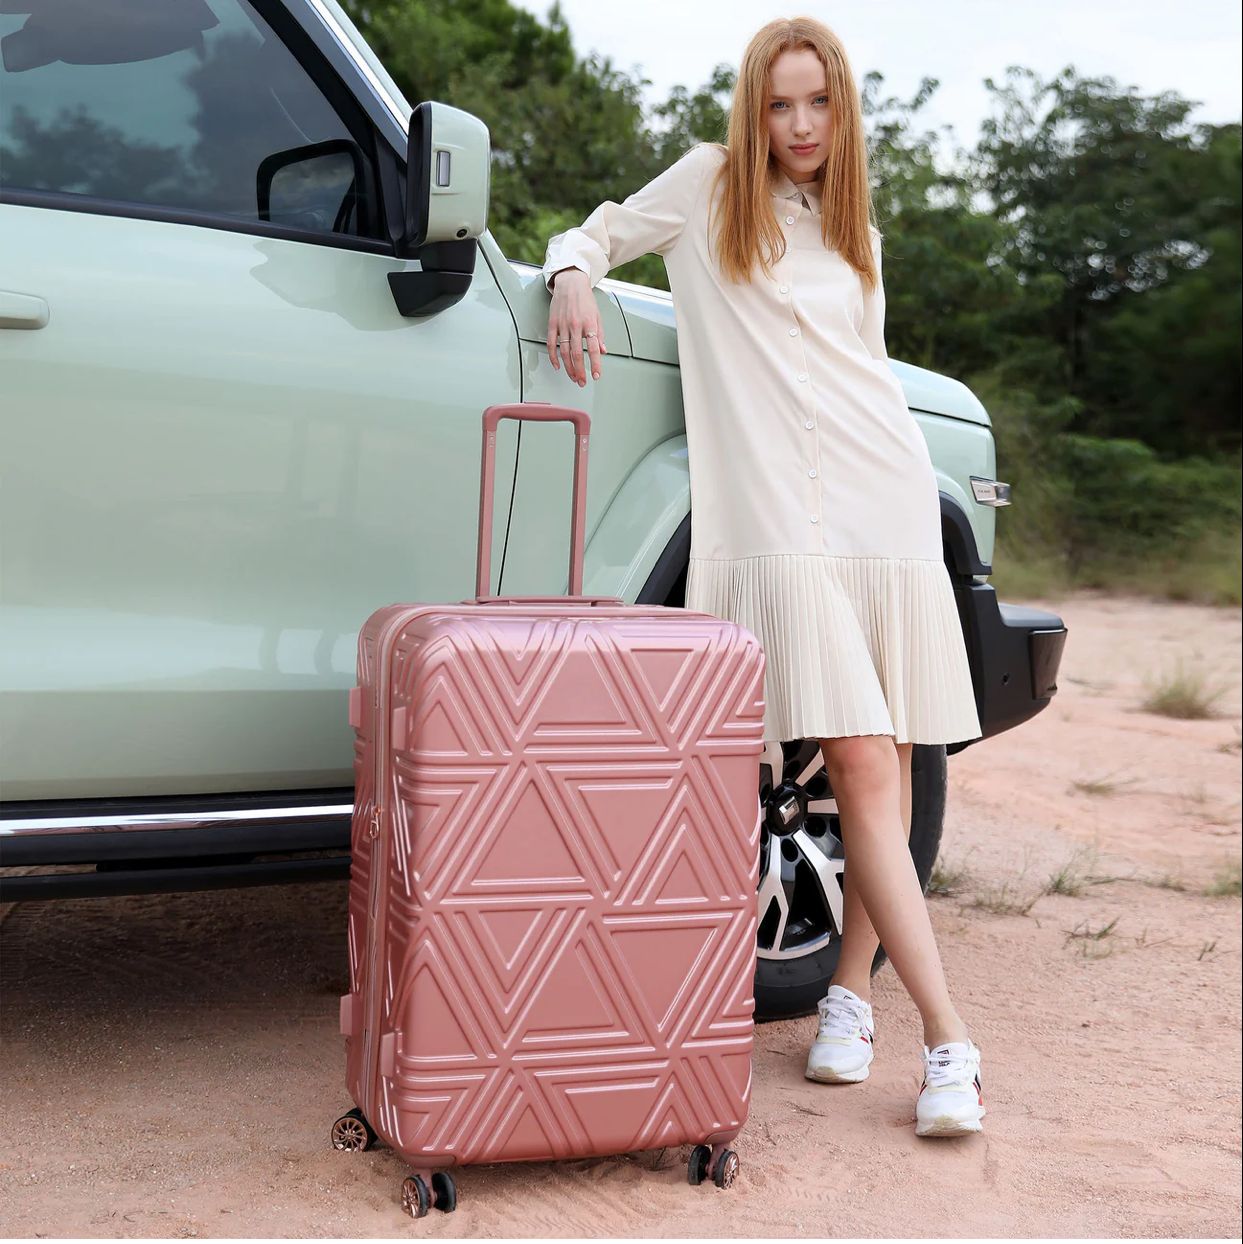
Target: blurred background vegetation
1078,269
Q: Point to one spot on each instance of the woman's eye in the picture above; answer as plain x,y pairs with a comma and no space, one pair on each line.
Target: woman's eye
777,103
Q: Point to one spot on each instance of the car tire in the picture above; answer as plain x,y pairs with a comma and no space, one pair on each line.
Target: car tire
802,865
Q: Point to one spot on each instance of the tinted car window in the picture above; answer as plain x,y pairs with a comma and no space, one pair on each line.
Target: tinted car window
179,104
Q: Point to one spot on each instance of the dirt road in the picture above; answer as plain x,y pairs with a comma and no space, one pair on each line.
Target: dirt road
172,1065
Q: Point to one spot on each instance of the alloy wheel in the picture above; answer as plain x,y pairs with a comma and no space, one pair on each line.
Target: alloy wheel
801,856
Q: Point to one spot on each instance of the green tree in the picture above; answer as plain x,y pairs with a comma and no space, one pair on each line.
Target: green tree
953,303
1124,201
565,132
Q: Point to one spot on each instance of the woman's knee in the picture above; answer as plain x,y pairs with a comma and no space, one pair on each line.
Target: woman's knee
860,756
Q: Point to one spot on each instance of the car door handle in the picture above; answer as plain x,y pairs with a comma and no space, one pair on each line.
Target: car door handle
22,310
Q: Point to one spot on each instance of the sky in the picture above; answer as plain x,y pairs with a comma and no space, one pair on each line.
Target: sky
1192,47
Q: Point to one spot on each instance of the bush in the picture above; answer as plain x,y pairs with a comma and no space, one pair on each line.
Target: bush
1127,503
1109,513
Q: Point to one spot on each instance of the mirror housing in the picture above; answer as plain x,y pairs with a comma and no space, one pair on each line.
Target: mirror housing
448,176
448,181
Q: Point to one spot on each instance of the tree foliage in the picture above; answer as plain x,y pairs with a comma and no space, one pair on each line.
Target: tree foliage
1078,266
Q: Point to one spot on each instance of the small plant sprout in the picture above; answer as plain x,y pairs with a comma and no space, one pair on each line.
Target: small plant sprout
1074,874
1004,900
1091,940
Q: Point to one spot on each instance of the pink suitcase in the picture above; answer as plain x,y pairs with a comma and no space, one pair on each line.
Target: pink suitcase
552,912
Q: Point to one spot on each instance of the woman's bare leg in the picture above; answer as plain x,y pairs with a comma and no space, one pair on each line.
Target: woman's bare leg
859,939
865,773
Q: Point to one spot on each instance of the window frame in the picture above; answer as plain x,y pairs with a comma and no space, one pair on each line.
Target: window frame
336,91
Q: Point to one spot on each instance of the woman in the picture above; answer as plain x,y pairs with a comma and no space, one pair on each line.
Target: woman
815,508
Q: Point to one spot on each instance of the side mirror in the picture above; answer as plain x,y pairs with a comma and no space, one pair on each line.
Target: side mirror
448,180
313,187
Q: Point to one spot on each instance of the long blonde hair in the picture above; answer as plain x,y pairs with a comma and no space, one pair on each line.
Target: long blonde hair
746,217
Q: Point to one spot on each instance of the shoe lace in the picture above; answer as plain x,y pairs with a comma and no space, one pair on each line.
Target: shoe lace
943,1068
841,1017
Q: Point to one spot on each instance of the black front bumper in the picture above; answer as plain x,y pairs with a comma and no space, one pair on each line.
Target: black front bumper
1015,652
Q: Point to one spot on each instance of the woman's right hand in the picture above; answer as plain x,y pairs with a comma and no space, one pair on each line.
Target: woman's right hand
571,317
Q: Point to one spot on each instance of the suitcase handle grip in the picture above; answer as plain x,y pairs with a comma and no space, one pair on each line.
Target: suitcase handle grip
543,412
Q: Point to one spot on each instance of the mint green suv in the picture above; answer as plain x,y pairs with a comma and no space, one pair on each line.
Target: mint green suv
250,317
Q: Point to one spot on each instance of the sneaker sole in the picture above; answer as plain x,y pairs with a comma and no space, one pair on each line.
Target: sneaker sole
826,1075
948,1125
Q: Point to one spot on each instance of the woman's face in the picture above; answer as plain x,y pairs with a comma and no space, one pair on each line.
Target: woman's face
798,113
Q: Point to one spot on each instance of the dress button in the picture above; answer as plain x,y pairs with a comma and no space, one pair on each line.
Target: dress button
785,289
812,472
794,332
809,424
789,220
815,518
802,375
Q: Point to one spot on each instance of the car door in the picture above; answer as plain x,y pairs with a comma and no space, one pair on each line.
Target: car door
222,445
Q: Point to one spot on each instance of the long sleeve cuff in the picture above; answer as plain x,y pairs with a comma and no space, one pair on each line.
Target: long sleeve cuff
555,263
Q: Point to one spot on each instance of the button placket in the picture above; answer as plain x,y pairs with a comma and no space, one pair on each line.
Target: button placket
813,471
813,475
802,377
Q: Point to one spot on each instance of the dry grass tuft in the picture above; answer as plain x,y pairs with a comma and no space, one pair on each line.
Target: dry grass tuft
1004,900
1226,883
1167,881
1100,785
1142,942
1075,874
1182,693
1090,940
947,878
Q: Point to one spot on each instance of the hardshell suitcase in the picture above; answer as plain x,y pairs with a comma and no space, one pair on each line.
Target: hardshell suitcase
552,906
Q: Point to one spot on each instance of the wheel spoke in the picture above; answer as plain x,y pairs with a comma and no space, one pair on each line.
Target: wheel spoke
774,758
772,890
815,762
828,873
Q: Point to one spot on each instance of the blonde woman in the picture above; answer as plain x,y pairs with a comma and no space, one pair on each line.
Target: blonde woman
815,508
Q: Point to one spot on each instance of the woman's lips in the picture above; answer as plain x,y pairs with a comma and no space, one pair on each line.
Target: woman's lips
804,149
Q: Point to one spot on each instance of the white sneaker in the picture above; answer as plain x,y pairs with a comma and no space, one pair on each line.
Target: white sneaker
951,1100
842,1050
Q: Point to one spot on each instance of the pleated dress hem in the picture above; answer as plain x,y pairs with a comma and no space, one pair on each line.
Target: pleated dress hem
853,645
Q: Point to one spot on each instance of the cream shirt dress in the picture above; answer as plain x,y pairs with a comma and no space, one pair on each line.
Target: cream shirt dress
815,515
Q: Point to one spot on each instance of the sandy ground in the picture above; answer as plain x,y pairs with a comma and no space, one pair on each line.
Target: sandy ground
172,1064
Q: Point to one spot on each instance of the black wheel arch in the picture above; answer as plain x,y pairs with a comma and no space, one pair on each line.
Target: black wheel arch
666,584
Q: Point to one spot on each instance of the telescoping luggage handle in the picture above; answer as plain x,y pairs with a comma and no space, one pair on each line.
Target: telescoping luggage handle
544,412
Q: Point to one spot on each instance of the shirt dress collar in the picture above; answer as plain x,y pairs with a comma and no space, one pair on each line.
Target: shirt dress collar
784,188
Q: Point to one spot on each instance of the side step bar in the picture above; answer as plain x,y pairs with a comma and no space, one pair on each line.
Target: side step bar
145,846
